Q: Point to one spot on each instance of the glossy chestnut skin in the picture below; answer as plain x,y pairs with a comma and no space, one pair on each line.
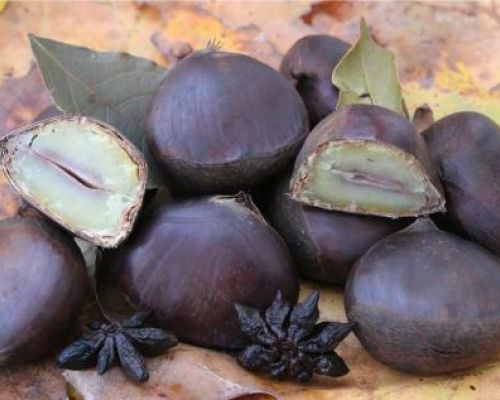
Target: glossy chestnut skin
326,244
221,122
191,261
426,302
466,148
43,282
309,63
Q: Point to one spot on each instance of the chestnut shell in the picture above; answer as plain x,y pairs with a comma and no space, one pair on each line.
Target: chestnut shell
326,244
191,261
221,122
309,63
426,302
466,147
43,282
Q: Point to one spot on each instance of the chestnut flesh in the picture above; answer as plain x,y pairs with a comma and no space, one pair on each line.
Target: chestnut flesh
426,302
43,283
326,244
466,147
366,159
309,63
191,261
220,122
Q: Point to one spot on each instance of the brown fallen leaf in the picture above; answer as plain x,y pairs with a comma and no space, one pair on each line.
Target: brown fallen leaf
22,99
193,373
41,381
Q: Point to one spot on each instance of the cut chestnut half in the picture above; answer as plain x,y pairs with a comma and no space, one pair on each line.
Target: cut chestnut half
80,172
366,159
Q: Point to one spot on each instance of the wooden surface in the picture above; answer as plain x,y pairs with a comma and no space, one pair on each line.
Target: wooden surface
448,55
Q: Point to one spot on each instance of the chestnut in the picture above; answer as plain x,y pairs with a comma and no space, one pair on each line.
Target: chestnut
465,146
326,244
221,122
366,159
425,301
309,63
191,261
80,172
43,283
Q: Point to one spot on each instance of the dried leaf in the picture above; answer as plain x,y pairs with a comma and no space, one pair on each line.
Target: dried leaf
21,100
113,87
448,103
367,74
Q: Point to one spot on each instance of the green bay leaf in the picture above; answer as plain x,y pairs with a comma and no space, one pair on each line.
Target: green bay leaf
367,74
113,87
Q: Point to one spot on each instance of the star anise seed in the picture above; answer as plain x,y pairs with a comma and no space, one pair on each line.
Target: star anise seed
287,343
103,344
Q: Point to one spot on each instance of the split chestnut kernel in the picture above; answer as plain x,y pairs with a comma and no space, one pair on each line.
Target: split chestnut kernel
426,302
366,159
81,173
222,122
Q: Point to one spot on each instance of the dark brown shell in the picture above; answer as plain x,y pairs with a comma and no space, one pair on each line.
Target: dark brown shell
191,261
221,122
466,148
309,63
426,302
326,244
43,283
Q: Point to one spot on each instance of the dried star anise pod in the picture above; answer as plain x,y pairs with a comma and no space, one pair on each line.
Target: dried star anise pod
287,343
102,344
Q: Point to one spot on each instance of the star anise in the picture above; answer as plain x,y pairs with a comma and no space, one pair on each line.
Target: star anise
104,343
287,343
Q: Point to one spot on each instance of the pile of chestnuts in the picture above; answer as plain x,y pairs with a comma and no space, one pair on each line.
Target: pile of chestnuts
409,222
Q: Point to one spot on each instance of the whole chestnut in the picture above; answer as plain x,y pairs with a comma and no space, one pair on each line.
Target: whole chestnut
43,283
221,122
191,261
425,301
309,63
326,244
465,146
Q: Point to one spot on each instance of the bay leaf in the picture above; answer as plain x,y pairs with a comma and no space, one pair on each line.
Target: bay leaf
113,87
367,74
